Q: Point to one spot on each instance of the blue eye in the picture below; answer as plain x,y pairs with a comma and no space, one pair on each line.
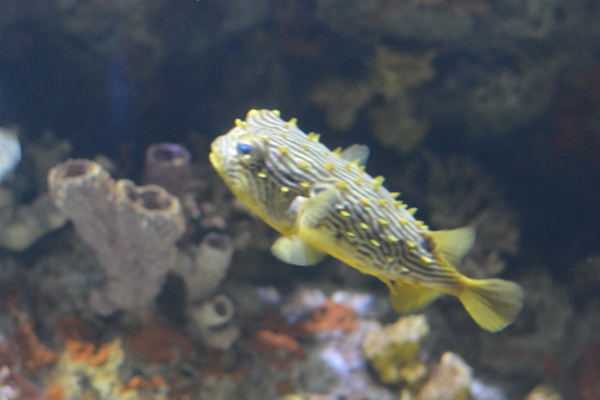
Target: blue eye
244,148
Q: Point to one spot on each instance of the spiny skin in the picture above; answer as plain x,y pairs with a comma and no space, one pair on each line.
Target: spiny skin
375,233
323,202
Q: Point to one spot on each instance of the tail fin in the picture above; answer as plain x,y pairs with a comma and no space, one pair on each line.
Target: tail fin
492,303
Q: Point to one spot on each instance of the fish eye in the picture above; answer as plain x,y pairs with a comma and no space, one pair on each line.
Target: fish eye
245,149
250,152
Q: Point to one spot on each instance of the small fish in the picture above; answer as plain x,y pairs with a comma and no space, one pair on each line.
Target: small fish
323,203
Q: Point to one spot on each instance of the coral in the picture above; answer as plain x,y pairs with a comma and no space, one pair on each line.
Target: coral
341,101
212,323
10,151
278,347
13,385
331,316
451,380
96,377
302,303
493,98
393,350
335,364
34,355
94,363
395,126
327,358
343,353
132,230
62,280
23,224
157,343
223,387
392,75
507,99
546,393
167,165
30,222
7,392
138,382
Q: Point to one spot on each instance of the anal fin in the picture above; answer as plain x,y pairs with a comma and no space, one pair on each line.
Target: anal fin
409,297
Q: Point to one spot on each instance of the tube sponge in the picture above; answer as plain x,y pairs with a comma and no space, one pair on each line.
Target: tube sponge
212,323
167,165
204,269
132,229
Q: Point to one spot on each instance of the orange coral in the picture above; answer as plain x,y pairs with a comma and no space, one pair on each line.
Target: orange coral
137,382
55,392
33,354
81,340
329,317
278,347
157,343
89,352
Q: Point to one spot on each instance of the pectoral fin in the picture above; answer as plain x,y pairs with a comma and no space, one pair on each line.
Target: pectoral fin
314,210
312,224
292,250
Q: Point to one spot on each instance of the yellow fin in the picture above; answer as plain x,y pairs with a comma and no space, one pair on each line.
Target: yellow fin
356,152
310,228
452,245
292,250
318,207
492,303
409,297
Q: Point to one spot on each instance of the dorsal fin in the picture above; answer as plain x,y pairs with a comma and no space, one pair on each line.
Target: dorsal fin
356,152
453,245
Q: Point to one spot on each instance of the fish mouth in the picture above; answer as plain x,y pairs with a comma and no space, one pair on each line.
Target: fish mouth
217,147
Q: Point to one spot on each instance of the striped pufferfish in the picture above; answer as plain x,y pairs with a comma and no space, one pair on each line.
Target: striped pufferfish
323,202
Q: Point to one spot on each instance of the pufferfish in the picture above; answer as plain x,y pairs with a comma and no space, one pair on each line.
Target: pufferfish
323,203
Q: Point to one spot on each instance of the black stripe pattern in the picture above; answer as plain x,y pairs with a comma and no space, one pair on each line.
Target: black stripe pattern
373,231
